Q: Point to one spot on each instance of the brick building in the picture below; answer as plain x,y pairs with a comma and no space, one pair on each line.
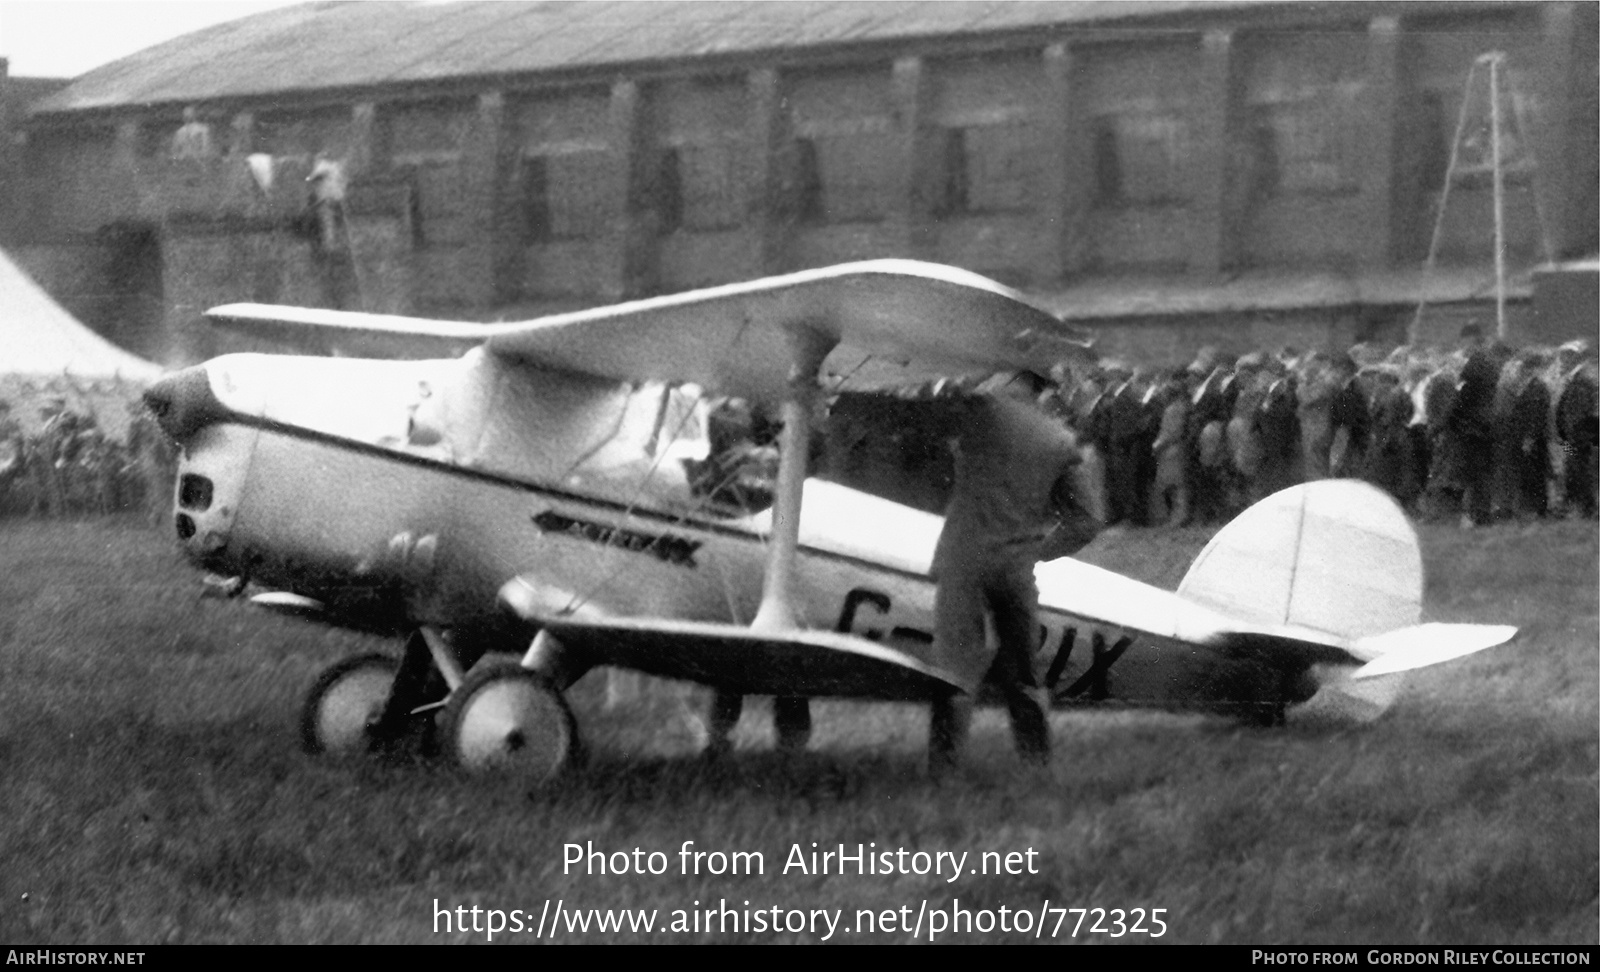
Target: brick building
1172,174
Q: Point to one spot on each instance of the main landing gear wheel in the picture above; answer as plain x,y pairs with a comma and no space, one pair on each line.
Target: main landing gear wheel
505,718
344,703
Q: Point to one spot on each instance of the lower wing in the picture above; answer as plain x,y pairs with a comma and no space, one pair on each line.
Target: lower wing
734,657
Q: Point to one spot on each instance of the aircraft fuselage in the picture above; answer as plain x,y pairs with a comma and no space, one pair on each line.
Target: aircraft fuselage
392,538
391,542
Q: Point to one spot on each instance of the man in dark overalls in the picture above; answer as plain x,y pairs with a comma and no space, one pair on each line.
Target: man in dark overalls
1012,480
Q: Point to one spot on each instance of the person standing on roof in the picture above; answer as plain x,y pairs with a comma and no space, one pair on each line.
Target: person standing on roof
328,187
192,140
1011,501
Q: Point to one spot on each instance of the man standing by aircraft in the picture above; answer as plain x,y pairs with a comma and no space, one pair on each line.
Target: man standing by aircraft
1013,473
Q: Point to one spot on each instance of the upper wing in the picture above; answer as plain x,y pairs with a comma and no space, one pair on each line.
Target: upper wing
735,339
353,334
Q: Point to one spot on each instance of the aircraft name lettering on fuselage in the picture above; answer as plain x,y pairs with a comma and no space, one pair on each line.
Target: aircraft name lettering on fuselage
674,550
852,603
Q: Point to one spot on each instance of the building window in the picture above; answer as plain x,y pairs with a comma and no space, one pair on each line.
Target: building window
422,142
844,178
1138,160
696,187
1308,146
1433,142
710,185
567,196
950,198
987,169
298,139
535,199
426,134
1475,154
434,203
665,191
155,139
1521,112
807,182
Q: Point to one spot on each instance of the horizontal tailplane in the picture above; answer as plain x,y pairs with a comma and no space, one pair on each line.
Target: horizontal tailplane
1426,644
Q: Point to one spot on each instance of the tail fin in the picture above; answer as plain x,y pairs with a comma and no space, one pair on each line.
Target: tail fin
1336,556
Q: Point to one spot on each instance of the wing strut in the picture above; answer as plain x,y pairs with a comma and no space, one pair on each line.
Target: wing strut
807,348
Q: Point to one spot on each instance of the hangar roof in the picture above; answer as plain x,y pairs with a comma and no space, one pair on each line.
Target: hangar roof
330,46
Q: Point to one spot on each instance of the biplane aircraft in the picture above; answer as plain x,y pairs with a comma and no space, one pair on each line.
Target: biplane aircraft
530,496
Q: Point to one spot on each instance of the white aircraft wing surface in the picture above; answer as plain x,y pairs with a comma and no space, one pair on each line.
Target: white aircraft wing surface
736,339
352,333
738,659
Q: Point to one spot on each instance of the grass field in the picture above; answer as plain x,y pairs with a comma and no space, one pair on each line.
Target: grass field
152,790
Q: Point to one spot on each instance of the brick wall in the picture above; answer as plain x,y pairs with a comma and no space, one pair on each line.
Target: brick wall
1189,154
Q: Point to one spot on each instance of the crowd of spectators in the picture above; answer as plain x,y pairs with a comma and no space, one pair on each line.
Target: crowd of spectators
1474,434
70,466
1478,433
